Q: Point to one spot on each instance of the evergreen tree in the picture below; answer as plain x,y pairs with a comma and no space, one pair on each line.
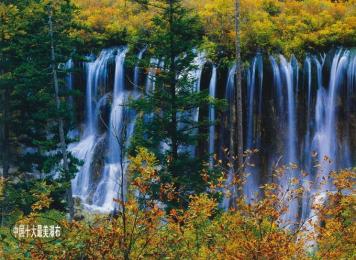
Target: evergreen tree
29,117
166,125
9,28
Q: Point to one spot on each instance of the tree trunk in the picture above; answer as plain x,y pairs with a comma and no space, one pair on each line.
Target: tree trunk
173,91
231,155
63,145
239,129
5,133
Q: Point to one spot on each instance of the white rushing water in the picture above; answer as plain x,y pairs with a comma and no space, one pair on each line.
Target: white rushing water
195,76
288,76
69,66
254,118
97,77
325,141
212,93
321,139
229,96
295,114
109,185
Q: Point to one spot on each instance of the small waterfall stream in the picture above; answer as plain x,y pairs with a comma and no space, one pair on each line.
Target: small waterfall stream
225,131
137,68
212,93
69,80
254,101
288,77
289,73
195,76
254,112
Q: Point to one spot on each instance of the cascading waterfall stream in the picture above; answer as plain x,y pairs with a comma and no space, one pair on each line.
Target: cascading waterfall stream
250,100
69,80
277,82
137,69
288,75
108,187
307,142
212,93
254,105
326,145
97,77
135,94
351,85
325,138
254,113
307,160
150,81
289,79
229,96
195,75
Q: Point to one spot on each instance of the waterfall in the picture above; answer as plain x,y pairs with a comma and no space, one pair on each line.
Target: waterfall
250,101
150,81
69,81
277,82
137,68
97,76
311,116
84,151
225,133
254,118
351,85
212,93
288,74
351,76
109,185
306,181
325,141
134,95
199,62
260,99
195,76
254,105
325,138
307,141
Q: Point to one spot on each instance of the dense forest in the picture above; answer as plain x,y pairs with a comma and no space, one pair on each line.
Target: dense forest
177,129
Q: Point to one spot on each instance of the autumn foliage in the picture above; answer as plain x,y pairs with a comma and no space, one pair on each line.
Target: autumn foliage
271,26
142,229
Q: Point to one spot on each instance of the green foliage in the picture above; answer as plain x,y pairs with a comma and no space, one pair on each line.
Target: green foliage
167,110
31,109
28,112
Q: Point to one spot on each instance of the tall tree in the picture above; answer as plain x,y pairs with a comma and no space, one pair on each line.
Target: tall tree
62,140
236,136
167,126
10,27
239,120
32,138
